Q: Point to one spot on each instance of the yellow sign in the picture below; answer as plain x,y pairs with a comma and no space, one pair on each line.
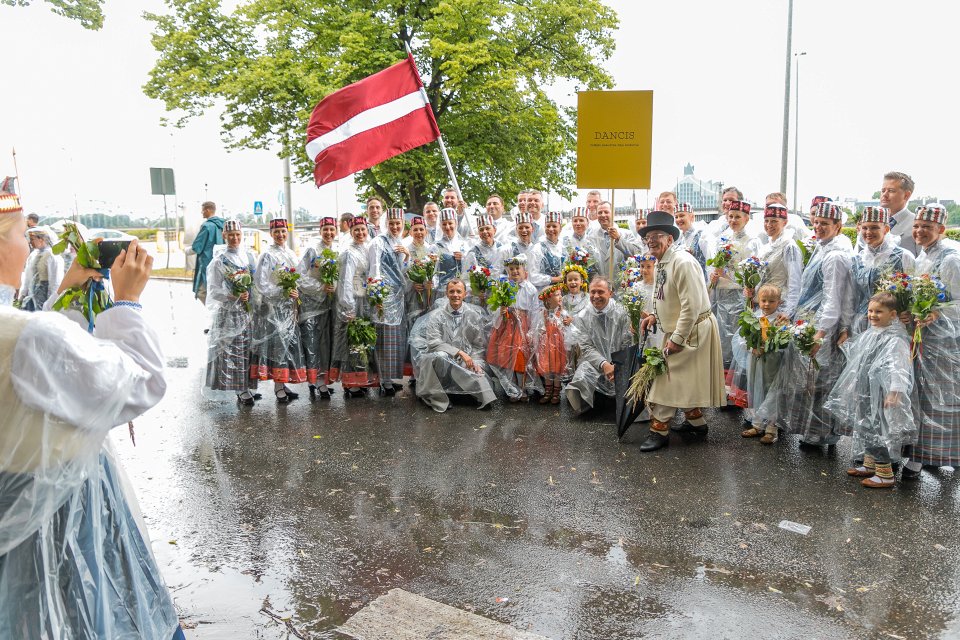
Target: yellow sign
614,134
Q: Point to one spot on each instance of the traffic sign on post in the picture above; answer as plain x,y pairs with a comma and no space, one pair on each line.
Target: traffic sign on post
258,208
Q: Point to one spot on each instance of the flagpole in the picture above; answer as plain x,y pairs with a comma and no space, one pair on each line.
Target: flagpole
16,172
443,147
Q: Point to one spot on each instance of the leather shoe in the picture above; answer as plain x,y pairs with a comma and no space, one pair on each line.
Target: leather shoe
906,473
687,429
654,441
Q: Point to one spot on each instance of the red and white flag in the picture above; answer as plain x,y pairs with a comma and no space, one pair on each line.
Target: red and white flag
368,122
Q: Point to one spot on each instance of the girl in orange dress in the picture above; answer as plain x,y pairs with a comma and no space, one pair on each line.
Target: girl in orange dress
551,356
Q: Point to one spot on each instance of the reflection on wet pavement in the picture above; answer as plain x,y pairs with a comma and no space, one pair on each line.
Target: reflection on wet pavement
298,516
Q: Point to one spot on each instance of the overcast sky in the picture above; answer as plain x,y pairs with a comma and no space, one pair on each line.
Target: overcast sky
878,91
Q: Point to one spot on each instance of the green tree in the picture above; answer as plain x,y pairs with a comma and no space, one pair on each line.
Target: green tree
486,65
89,13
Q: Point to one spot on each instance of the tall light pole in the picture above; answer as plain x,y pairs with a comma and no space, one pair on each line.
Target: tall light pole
796,133
786,102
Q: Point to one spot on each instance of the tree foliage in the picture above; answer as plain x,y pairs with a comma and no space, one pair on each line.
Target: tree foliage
89,13
486,65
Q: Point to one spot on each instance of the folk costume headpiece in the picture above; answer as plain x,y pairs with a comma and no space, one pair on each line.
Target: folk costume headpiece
580,212
395,214
523,216
278,223
10,203
739,205
829,210
684,207
935,213
484,220
357,221
553,216
327,221
418,220
448,214
876,214
775,210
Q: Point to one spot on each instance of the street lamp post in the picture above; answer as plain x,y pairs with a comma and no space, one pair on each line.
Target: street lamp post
796,133
786,102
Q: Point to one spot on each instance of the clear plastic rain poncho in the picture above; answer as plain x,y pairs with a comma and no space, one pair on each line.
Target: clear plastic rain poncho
352,303
938,366
43,273
548,344
874,398
277,340
448,267
510,349
753,375
316,315
389,266
74,562
435,340
548,257
230,367
784,270
599,334
416,303
825,290
868,266
726,298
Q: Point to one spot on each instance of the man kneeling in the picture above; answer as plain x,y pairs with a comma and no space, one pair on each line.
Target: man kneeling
600,329
447,347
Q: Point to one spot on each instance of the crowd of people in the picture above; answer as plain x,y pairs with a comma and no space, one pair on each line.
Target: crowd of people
532,309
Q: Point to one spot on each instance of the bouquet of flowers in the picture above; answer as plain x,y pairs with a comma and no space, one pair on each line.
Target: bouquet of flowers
750,329
422,270
722,258
377,292
749,273
630,295
630,268
361,338
286,278
240,282
897,283
777,336
582,257
480,280
326,266
929,296
654,365
806,248
503,294
92,297
803,337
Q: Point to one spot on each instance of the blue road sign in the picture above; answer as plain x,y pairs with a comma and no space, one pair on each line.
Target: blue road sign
258,208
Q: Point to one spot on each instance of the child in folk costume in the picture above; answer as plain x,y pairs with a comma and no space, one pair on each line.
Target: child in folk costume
388,259
508,352
450,247
756,371
937,363
357,370
418,297
43,272
879,255
551,354
230,366
318,301
873,397
783,258
726,296
278,342
575,300
648,270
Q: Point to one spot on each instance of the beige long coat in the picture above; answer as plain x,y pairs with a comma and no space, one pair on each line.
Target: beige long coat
680,299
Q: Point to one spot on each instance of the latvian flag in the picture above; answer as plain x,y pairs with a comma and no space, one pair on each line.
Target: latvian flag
368,122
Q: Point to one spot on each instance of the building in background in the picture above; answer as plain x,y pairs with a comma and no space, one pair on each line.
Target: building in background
704,195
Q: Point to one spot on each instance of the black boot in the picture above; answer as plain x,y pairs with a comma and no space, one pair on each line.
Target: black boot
654,441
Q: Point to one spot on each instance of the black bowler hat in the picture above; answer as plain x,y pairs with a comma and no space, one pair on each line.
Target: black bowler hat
660,221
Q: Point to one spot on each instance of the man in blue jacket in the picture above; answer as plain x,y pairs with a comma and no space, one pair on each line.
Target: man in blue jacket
210,235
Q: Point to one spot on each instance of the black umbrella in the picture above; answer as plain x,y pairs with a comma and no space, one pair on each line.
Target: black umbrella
626,362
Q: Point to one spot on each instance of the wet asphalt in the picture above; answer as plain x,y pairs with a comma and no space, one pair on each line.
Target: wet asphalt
278,520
